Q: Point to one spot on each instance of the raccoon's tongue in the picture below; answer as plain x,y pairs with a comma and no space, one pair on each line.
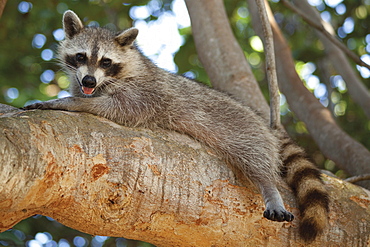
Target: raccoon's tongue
87,90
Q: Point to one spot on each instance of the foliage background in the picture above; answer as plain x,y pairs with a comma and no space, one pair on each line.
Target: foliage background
29,33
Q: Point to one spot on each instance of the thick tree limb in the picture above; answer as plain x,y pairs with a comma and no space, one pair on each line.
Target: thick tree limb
161,187
335,144
270,65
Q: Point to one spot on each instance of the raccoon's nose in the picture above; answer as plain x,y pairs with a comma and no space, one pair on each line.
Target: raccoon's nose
89,81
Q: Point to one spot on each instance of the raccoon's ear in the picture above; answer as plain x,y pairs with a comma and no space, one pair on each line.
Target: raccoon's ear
127,37
72,25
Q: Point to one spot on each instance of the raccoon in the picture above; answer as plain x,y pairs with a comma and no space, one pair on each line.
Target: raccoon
111,78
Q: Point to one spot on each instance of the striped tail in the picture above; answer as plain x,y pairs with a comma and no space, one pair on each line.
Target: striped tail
304,179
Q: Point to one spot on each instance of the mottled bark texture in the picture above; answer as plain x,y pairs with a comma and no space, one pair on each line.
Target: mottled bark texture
157,186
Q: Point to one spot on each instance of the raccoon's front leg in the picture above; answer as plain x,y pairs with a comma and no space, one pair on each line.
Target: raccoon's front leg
67,104
112,107
103,106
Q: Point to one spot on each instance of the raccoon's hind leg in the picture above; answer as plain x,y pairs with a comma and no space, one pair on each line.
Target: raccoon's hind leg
275,209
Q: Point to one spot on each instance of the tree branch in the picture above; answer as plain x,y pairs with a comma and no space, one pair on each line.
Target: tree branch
359,93
2,6
270,65
319,27
318,119
358,178
156,186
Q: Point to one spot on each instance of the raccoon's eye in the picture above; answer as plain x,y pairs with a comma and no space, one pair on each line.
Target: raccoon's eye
80,57
105,63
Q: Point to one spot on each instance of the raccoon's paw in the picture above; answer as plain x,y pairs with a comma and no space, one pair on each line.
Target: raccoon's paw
39,105
278,215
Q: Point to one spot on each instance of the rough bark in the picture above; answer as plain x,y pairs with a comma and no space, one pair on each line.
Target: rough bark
334,143
161,187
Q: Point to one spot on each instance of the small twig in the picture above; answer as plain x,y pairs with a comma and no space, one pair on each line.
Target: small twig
2,6
355,179
270,65
331,37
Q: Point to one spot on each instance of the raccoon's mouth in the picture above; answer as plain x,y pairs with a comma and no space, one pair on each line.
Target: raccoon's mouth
87,90
84,89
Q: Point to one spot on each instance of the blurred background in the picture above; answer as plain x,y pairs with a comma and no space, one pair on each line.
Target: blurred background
30,32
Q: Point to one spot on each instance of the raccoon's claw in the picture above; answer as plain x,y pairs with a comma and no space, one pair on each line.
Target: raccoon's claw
278,215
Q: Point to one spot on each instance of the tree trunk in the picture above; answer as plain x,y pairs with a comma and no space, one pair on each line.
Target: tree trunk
156,186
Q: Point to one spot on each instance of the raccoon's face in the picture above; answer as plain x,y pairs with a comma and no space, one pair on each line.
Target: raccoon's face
93,57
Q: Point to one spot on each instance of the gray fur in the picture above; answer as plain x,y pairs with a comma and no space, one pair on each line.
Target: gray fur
141,94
